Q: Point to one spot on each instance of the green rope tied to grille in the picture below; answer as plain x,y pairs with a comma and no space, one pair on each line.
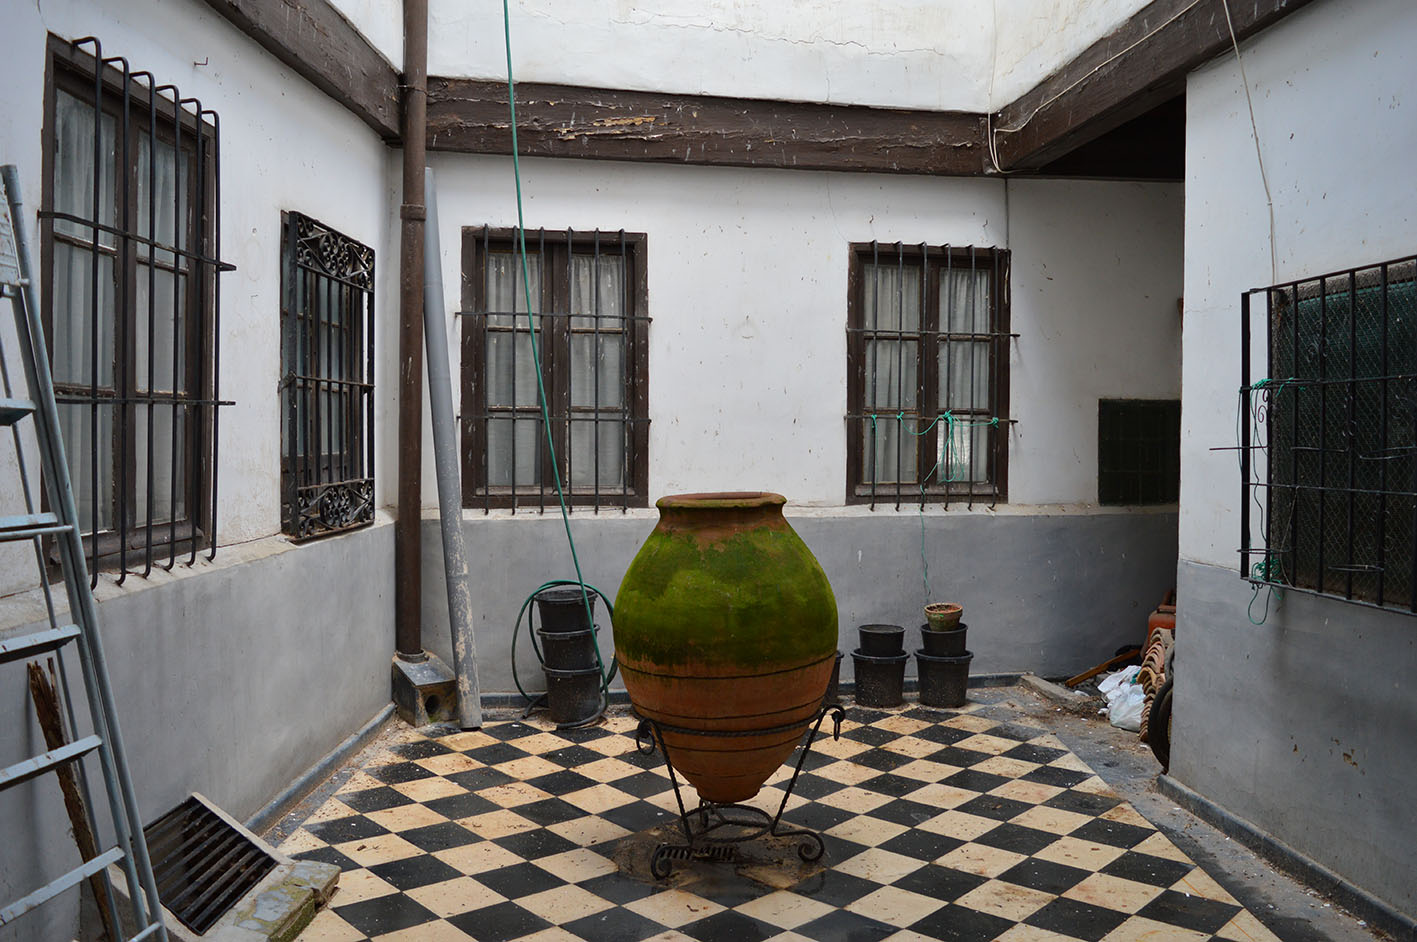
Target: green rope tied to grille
1269,569
951,423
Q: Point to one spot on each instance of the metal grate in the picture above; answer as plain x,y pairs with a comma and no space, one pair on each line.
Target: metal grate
327,354
1328,446
1138,451
202,863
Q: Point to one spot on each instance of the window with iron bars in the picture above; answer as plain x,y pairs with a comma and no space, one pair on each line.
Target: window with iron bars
327,379
927,371
588,300
1328,446
130,248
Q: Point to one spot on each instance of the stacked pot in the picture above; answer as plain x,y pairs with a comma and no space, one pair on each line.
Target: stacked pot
943,660
880,665
568,651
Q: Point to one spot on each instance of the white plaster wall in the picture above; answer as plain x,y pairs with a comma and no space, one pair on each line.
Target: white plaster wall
1330,85
747,286
954,55
381,22
1096,278
284,145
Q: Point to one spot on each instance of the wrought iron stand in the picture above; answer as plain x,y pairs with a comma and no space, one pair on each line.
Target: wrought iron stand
712,831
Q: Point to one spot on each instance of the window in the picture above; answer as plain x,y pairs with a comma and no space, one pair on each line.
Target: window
927,367
1329,435
130,254
1138,451
588,297
327,373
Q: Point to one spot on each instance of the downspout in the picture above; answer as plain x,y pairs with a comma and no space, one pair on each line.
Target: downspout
408,577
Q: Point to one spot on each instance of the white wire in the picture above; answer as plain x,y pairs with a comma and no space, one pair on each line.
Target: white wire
1255,134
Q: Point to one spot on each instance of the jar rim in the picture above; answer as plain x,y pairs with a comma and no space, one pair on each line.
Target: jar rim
725,500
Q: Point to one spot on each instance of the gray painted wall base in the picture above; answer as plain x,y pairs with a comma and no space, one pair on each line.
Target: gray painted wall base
1378,914
1305,726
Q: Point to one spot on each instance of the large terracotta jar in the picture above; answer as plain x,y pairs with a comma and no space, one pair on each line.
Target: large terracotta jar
725,623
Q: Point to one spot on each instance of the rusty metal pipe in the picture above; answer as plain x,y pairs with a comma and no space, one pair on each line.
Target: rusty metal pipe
408,577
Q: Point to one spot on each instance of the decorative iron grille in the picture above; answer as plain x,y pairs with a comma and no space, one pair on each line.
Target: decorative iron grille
327,365
131,242
1328,435
927,369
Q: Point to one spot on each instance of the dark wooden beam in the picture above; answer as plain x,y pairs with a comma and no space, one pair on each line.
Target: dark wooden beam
317,42
470,116
1137,66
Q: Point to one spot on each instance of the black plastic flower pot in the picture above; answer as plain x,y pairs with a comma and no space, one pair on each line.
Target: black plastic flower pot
944,643
833,694
562,609
880,681
568,650
882,640
944,681
572,696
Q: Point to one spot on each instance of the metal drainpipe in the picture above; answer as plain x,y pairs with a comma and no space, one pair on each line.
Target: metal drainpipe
408,617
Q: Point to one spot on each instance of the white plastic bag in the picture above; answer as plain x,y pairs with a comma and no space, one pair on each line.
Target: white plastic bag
1125,699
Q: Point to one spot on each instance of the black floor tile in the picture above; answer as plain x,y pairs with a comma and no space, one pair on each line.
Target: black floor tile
353,828
729,926
1031,753
882,760
813,786
944,735
1189,912
954,755
562,783
941,883
839,849
496,753
975,781
642,784
465,805
1144,868
1080,920
1015,731
328,855
374,799
584,734
1017,838
961,924
922,845
519,880
477,779
1114,833
436,837
618,888
897,786
907,812
413,872
930,715
871,736
398,773
1045,875
723,886
383,914
1052,775
499,923
845,927
533,845
815,760
420,749
613,925
835,889
637,816
865,715
1083,803
509,731
573,756
994,806
550,811
816,816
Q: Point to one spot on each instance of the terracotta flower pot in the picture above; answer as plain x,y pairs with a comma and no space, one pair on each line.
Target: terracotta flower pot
943,616
725,622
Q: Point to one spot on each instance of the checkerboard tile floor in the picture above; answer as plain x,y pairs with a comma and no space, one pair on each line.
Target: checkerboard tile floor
938,825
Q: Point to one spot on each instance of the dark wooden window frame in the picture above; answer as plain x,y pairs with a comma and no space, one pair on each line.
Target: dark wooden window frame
929,260
1142,486
553,333
73,70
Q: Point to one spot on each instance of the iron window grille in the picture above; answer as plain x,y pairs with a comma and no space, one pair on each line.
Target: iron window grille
589,302
1328,435
1138,451
927,366
327,379
130,243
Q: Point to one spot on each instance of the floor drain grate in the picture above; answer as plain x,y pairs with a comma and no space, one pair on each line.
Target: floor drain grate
202,863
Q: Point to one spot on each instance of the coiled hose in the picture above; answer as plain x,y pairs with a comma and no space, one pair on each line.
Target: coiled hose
606,676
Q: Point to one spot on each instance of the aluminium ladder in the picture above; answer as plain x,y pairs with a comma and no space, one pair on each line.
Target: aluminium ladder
60,524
